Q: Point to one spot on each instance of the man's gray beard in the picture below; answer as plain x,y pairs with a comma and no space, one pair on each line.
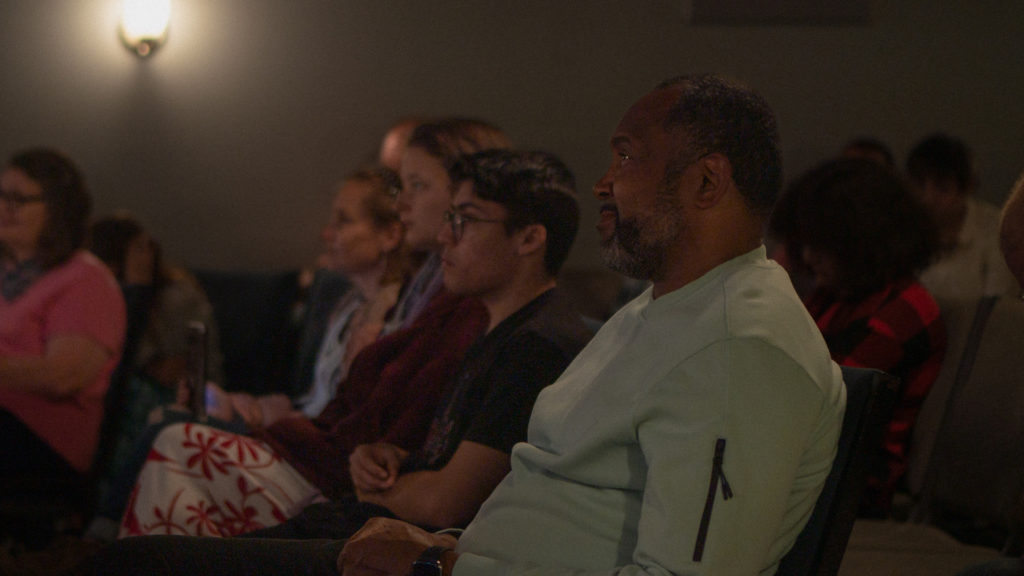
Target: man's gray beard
638,248
629,253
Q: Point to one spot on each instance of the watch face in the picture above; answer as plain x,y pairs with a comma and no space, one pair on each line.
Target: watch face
426,568
429,563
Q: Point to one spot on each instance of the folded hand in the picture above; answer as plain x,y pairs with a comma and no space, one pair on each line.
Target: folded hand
387,546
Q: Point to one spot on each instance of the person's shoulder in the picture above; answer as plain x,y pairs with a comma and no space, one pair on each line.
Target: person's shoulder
981,223
918,296
83,269
182,288
774,360
83,287
761,297
983,209
84,262
910,313
762,306
555,320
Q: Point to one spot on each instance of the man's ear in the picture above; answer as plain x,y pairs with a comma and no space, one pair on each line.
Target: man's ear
716,179
532,238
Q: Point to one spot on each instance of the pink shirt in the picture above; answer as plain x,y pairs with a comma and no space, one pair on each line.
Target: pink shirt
81,298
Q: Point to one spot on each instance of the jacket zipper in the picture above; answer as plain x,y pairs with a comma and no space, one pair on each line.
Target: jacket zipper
717,475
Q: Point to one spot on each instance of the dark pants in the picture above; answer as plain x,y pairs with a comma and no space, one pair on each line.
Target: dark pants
167,555
24,453
39,489
308,544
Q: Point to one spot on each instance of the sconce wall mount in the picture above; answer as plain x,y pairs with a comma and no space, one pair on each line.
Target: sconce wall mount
144,24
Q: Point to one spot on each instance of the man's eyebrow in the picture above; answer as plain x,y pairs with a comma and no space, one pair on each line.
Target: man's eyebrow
619,139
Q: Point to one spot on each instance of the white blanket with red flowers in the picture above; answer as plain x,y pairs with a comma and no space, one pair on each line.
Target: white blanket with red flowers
201,481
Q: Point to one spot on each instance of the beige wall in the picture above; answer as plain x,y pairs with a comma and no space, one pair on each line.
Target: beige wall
228,141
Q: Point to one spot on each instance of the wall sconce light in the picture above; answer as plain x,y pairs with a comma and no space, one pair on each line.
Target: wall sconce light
144,25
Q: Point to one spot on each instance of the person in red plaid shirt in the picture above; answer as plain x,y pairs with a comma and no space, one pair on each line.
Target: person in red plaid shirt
860,233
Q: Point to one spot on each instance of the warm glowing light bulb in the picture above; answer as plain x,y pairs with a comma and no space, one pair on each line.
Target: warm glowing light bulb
144,24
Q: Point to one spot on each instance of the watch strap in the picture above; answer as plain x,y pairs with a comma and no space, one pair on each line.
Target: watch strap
429,562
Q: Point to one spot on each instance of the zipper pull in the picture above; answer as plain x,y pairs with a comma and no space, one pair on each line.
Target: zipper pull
717,478
717,465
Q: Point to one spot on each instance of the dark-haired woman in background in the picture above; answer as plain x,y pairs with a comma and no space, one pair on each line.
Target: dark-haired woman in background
860,233
169,296
62,320
161,302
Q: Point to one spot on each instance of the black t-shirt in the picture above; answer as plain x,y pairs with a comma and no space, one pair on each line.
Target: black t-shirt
499,379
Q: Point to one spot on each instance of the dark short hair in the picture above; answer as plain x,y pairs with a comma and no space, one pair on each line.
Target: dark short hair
722,116
940,157
67,201
534,187
450,138
863,216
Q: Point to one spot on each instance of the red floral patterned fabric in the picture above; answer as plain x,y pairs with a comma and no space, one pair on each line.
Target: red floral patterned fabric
201,481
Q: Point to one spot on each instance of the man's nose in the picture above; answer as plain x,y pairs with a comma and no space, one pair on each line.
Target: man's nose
603,187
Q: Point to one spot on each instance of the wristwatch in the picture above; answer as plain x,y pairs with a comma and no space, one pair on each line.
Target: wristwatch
429,562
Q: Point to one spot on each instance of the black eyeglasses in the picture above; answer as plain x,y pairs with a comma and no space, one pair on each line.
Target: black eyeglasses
458,222
18,200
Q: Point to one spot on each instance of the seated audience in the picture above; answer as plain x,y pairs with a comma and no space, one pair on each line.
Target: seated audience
393,385
512,222
363,241
62,321
969,264
692,435
863,236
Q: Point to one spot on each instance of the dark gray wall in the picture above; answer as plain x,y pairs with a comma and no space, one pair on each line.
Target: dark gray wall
228,141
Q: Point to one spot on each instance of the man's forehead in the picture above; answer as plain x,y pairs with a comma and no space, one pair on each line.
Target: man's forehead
647,113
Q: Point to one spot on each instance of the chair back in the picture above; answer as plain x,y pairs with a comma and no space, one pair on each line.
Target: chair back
253,313
965,321
975,472
870,398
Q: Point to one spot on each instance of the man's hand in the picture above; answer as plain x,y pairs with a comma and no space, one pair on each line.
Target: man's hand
386,546
374,467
